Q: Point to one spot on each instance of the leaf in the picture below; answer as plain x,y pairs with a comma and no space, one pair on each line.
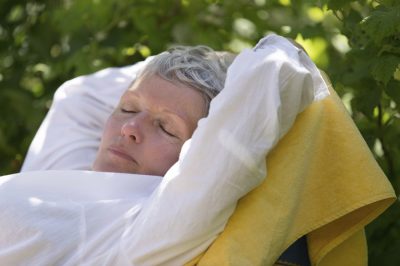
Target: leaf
382,23
311,31
384,67
366,100
336,4
16,14
388,2
392,89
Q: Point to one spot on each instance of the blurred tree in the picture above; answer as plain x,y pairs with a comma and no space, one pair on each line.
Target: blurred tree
43,43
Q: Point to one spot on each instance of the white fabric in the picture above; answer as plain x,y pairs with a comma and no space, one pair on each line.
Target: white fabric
67,217
89,218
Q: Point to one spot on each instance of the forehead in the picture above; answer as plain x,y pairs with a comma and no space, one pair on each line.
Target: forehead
159,95
155,86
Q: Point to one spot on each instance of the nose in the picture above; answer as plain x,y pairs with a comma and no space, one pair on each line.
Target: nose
133,127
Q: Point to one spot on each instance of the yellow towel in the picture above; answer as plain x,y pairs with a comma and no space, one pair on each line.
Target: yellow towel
322,181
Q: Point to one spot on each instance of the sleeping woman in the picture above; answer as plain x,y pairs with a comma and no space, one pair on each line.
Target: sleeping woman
160,111
172,161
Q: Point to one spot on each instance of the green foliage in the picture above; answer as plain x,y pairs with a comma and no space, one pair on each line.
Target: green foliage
369,72
44,43
382,23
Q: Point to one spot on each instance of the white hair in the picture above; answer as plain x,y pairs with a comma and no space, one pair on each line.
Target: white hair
198,67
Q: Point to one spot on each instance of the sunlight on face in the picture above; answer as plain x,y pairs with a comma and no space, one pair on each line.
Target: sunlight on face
146,131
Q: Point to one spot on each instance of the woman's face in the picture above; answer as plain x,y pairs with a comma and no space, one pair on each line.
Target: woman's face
146,131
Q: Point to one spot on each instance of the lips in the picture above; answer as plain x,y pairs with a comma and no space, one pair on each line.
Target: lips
121,153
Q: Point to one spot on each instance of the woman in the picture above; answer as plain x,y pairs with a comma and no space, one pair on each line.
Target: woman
184,78
97,218
160,111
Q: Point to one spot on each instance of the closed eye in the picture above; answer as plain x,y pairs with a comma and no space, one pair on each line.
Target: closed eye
123,110
166,131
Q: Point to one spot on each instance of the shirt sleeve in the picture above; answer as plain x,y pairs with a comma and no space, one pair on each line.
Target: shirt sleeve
70,134
265,90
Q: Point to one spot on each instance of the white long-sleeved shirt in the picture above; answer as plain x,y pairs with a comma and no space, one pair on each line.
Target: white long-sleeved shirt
88,218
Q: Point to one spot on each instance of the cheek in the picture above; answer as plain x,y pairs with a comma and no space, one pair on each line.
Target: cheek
168,151
111,130
164,155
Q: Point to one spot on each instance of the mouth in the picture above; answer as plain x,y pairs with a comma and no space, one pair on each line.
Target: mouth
121,154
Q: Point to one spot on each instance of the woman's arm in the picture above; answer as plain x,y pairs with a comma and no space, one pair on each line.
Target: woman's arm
69,136
225,159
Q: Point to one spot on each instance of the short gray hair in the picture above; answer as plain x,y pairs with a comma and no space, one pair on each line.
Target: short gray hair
198,67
